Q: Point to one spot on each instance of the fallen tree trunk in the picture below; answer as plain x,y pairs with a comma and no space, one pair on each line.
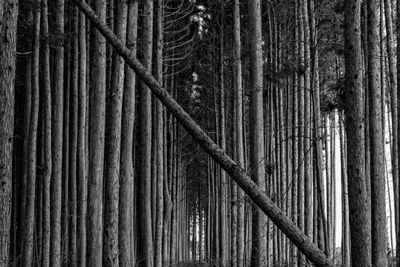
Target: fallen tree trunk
239,175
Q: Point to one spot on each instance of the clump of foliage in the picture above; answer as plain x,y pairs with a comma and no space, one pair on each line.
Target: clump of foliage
332,96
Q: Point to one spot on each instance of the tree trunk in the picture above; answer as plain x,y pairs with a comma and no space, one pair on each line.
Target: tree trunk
46,137
159,133
396,185
345,199
82,145
96,154
358,197
8,33
257,130
378,210
239,131
57,138
224,245
128,121
72,256
393,108
145,232
113,144
27,257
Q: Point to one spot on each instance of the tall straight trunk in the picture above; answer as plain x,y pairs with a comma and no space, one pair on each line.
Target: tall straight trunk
82,141
238,174
364,39
65,147
27,112
224,245
295,131
159,133
27,257
96,154
308,181
257,130
378,210
125,241
239,131
396,185
113,144
46,137
57,138
358,198
393,108
145,231
301,122
319,201
73,142
345,199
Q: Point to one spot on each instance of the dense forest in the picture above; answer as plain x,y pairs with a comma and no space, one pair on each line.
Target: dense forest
199,133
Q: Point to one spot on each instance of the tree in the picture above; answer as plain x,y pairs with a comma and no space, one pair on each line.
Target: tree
239,130
57,137
377,176
145,231
46,137
113,143
82,141
128,119
159,133
8,33
96,154
256,130
32,146
358,198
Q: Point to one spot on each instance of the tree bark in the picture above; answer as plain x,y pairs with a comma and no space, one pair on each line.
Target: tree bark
377,176
27,258
72,207
46,137
57,138
358,197
393,108
113,144
257,154
238,174
396,185
8,33
82,145
96,154
145,231
239,131
159,133
128,121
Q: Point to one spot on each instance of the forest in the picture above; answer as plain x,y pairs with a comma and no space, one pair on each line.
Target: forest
181,133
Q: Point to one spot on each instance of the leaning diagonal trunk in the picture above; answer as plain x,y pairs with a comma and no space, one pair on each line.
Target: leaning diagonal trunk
231,167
